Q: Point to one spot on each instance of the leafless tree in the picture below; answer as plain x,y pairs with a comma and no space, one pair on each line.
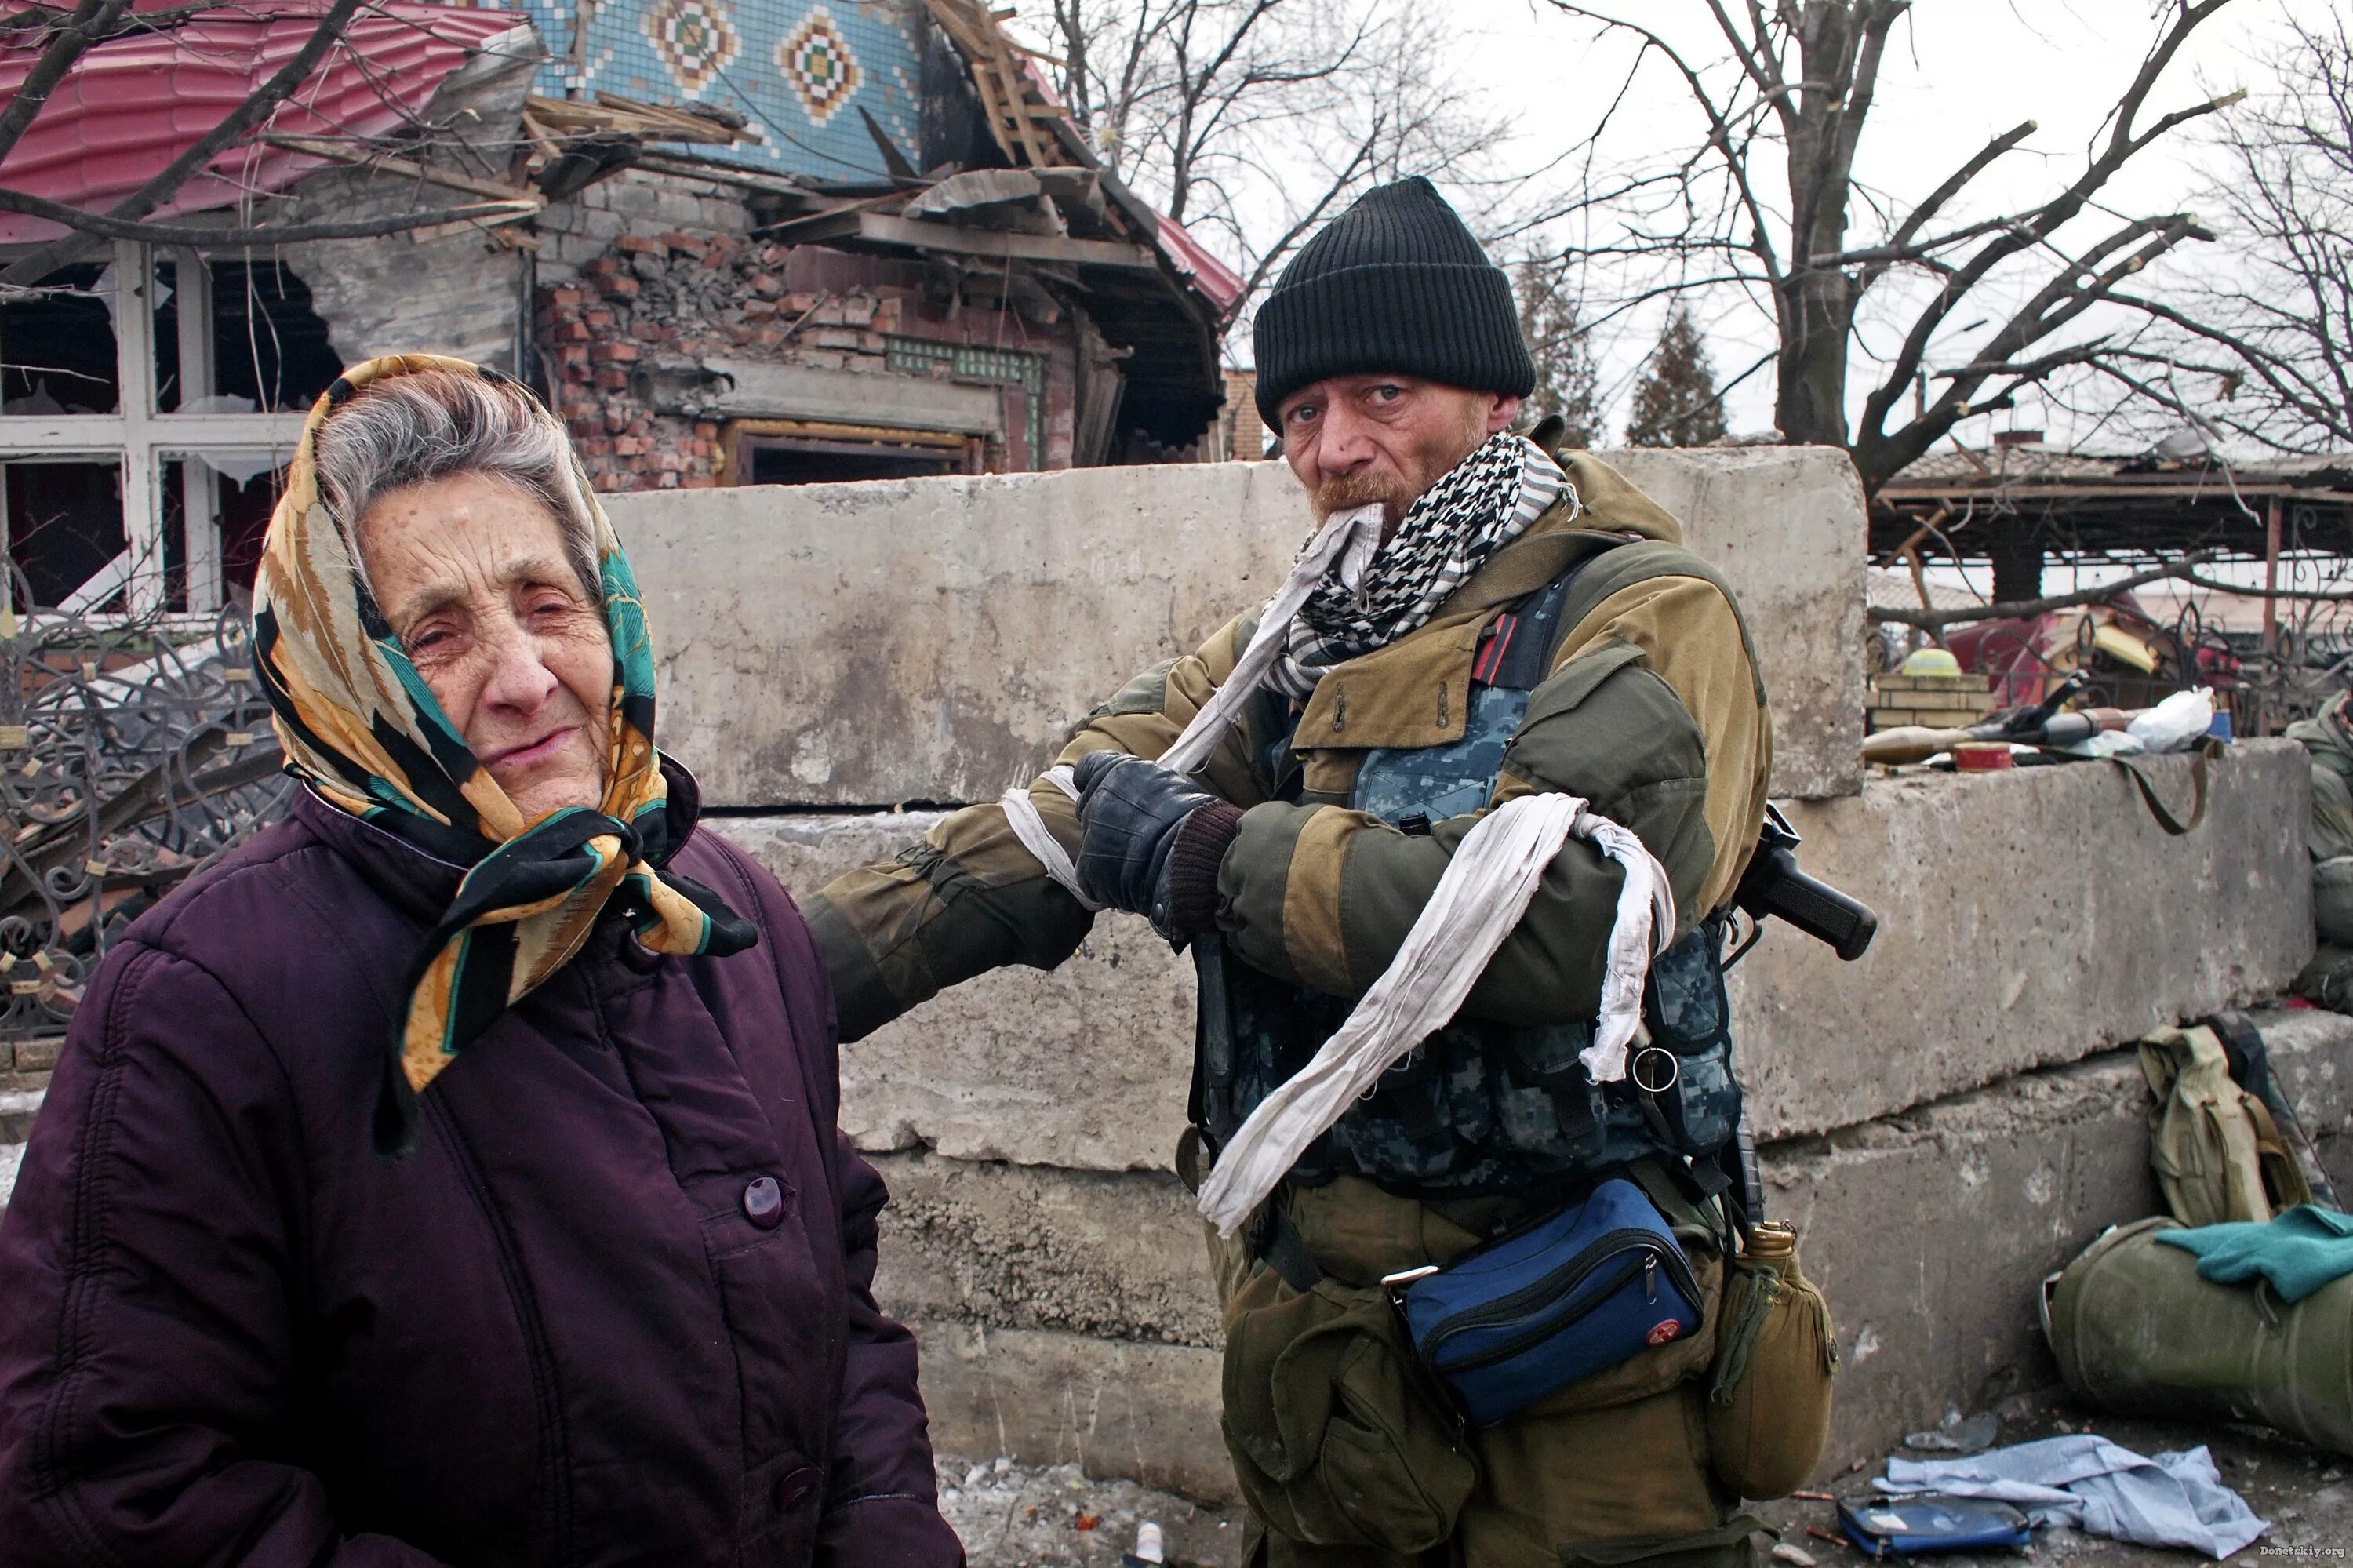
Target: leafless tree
66,38
1764,199
2263,348
1260,119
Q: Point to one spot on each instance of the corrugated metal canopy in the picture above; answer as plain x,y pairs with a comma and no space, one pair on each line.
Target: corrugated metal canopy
135,102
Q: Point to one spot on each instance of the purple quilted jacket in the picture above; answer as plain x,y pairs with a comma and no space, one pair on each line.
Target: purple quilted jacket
615,1309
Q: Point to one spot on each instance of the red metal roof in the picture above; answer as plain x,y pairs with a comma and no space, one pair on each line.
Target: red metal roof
1218,282
135,102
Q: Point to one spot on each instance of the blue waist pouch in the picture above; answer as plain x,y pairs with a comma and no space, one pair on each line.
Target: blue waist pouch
1507,1323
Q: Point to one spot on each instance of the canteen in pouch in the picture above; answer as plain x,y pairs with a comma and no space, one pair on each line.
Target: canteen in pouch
1770,1392
1524,1316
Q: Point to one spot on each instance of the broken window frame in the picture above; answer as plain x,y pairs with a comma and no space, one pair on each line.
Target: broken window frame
1019,368
141,441
740,438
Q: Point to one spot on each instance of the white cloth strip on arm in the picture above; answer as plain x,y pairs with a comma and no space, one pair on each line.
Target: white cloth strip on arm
1644,923
1022,814
1347,537
1484,892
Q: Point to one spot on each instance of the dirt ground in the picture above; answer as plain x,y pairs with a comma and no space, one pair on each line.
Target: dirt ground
1013,1516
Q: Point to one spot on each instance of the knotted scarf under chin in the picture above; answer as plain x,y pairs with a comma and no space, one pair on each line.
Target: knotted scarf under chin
364,733
1482,504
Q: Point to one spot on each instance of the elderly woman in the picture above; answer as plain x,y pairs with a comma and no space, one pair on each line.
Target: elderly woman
451,1175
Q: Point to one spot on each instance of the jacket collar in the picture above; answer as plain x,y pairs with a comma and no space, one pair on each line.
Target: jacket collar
422,884
1416,692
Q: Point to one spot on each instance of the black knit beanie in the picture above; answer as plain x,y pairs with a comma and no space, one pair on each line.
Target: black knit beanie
1394,283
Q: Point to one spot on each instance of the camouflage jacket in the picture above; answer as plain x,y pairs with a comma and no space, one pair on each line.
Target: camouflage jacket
1653,711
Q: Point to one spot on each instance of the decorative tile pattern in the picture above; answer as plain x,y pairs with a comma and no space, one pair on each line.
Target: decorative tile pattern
818,65
799,70
693,38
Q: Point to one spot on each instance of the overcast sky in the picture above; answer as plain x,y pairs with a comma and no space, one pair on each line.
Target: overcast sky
1961,71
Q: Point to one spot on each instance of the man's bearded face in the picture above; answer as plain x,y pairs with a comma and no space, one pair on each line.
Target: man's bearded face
1355,440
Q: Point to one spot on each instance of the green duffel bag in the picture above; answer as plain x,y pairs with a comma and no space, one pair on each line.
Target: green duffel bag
2136,1331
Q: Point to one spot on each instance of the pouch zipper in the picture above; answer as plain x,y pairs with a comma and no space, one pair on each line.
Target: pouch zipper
1559,1283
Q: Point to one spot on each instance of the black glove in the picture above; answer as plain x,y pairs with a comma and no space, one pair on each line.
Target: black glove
1132,815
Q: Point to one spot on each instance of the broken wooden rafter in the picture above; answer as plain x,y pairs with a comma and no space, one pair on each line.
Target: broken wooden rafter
1021,121
1003,245
404,168
613,114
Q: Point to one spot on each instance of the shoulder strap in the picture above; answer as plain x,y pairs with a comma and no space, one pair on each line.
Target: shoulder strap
1515,649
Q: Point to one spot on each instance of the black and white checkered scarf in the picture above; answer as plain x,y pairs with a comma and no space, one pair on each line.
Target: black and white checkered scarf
1483,503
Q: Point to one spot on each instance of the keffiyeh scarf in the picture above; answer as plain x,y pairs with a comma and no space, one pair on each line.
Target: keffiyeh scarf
364,733
1483,503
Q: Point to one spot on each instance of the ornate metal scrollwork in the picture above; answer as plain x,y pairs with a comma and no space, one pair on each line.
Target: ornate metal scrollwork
132,755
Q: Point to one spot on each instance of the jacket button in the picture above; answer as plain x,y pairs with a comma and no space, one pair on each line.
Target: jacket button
796,1488
764,1202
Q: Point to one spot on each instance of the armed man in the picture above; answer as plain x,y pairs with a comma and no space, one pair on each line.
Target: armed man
1455,844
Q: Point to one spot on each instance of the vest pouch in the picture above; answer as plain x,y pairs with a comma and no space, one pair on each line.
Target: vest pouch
1768,1405
1337,1437
1683,1003
1703,1109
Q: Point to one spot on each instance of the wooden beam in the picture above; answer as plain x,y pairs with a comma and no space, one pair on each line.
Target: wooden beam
816,228
1004,246
823,429
405,169
2270,575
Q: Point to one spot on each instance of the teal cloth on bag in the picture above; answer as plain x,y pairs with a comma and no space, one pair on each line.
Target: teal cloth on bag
2298,1251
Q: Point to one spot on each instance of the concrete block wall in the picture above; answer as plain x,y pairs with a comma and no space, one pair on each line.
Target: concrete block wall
930,640
1948,1120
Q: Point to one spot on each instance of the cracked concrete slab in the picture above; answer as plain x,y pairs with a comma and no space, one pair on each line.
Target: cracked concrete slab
2094,932
1046,1300
933,639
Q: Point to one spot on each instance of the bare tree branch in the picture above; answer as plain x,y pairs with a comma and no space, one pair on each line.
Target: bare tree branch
91,20
1928,619
166,183
272,234
1791,98
1256,120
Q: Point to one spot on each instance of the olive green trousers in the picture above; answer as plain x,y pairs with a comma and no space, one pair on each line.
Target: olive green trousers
1610,1471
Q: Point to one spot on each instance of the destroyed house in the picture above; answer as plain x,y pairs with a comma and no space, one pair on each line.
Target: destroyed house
732,241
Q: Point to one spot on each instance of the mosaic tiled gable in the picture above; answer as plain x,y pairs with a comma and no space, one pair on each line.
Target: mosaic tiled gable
798,70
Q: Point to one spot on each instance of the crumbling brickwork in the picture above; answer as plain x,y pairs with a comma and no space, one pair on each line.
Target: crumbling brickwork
643,318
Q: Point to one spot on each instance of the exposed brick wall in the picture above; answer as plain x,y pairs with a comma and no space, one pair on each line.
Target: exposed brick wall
662,303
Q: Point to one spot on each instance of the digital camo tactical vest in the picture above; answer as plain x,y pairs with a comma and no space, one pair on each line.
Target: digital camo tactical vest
1479,1107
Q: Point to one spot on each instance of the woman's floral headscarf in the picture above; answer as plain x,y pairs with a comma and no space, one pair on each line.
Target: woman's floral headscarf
363,732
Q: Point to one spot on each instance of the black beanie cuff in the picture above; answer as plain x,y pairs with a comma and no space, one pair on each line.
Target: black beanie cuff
1394,284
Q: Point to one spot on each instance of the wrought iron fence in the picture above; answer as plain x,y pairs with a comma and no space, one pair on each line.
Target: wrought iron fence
132,754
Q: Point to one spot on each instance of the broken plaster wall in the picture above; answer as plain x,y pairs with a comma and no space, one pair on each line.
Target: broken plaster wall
661,316
374,294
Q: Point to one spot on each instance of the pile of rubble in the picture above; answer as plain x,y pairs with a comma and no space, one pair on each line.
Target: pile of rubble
665,304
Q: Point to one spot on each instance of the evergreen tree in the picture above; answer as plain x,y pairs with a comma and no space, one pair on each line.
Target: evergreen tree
1675,403
1568,381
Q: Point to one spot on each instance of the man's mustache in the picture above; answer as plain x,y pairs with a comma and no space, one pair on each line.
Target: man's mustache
1350,490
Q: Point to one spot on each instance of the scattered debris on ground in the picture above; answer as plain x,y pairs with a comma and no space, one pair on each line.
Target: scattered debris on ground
2303,1492
1018,1516
1024,1515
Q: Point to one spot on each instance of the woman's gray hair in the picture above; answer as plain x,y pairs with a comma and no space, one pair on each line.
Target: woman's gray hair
426,424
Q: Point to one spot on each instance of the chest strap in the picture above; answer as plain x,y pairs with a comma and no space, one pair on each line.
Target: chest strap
1515,649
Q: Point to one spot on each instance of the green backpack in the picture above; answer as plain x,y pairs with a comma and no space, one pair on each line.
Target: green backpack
2217,1151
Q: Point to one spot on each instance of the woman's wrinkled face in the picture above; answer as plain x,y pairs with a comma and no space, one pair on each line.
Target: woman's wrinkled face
471,573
